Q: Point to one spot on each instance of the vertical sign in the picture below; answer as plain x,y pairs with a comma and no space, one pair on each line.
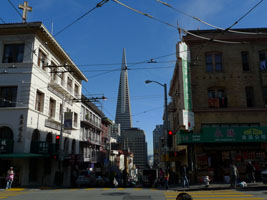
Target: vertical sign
187,114
185,56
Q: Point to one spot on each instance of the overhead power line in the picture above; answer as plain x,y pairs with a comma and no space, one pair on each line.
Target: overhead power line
2,20
14,8
173,26
101,3
213,26
236,22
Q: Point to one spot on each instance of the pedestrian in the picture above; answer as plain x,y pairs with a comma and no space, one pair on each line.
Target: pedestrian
251,172
10,178
161,177
183,172
233,175
167,177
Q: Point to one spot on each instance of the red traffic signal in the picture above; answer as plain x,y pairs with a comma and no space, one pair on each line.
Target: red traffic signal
170,132
57,137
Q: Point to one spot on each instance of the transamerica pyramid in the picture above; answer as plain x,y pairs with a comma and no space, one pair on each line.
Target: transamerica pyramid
123,111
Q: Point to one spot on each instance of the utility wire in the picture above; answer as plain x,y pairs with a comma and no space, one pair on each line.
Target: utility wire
2,20
173,26
14,7
101,3
146,111
236,22
213,26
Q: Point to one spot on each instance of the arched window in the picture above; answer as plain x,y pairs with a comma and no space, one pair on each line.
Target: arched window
36,135
49,138
6,133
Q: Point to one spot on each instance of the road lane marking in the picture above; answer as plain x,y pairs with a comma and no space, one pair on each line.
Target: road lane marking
253,198
137,188
106,188
89,188
120,188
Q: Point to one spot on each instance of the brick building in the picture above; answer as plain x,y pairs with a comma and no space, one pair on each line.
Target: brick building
228,93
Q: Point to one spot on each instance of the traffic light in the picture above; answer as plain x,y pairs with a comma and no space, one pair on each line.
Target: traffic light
169,139
57,142
169,132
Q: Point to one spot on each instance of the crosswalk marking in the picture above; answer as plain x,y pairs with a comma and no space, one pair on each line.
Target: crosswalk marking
214,195
253,198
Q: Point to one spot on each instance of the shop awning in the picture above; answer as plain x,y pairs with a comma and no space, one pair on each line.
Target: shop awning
22,155
223,134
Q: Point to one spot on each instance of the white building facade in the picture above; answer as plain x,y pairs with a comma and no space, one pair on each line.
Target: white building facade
38,84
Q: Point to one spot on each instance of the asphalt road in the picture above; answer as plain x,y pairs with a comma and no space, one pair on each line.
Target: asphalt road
125,194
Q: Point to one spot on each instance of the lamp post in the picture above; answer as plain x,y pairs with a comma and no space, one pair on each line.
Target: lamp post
166,109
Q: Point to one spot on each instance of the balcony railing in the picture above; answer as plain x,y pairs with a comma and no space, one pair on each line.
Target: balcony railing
6,146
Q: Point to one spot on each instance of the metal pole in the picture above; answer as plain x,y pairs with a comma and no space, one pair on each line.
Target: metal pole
61,132
166,121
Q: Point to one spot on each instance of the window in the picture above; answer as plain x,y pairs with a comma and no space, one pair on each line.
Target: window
42,60
39,102
263,60
265,95
53,73
76,90
249,96
61,77
69,84
245,60
52,107
217,98
75,119
13,53
214,62
8,96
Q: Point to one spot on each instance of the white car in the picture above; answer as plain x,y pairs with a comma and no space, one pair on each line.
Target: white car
264,176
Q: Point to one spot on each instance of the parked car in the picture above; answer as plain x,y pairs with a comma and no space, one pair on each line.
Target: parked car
86,178
264,176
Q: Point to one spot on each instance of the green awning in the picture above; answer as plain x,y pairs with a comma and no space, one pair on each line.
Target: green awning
22,155
224,134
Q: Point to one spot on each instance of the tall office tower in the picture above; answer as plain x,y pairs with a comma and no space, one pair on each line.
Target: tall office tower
123,112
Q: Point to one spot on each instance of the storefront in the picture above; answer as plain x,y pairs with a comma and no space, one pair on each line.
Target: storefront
217,147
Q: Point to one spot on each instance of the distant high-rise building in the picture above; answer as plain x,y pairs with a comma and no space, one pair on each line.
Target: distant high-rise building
157,144
134,139
123,112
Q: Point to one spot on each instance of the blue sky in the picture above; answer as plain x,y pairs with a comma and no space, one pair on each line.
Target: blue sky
99,38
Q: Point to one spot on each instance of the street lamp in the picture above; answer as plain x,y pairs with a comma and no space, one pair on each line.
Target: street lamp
165,103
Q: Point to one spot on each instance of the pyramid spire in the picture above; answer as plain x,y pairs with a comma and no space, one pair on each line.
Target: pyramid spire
123,112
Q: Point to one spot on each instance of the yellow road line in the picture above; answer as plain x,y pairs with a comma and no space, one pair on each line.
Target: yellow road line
137,188
73,189
16,189
248,195
120,188
106,188
89,188
252,198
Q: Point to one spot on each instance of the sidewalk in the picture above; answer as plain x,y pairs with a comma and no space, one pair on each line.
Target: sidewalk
223,186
